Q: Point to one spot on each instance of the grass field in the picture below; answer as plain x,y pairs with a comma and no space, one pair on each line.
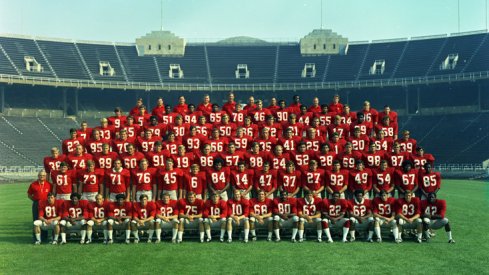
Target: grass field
467,201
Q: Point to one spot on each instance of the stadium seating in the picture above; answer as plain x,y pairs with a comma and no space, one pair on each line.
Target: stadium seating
64,59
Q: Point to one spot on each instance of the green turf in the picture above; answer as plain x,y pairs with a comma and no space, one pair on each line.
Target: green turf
468,203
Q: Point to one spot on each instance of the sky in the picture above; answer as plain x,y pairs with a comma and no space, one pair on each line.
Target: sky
212,20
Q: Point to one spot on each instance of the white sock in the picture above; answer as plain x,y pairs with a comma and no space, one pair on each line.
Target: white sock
320,234
180,235
111,233
352,233
395,232
105,234
427,234
420,235
294,233
150,234
377,232
253,232
246,234
328,233
222,233
174,233
449,234
158,233
83,233
63,237
56,237
301,233
277,233
208,233
38,237
128,234
230,234
370,234
269,235
201,235
345,232
135,234
89,235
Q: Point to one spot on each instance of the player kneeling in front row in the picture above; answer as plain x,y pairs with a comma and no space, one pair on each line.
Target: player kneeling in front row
238,212
98,213
334,215
143,215
434,218
120,215
50,212
285,215
191,210
215,214
361,215
309,212
408,215
384,214
261,215
166,217
74,217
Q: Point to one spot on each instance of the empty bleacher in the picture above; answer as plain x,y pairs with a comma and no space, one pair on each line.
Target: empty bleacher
138,68
64,59
390,52
291,63
94,53
193,64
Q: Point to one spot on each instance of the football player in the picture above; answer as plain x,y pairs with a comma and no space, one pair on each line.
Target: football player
120,215
383,208
361,215
166,217
190,213
50,212
285,215
309,211
261,214
433,211
334,214
215,214
408,215
144,213
238,212
75,215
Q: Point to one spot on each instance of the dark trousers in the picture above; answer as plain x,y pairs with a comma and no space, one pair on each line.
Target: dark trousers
35,216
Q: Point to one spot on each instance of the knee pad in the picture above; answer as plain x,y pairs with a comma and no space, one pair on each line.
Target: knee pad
158,221
83,222
104,223
276,218
302,220
111,221
252,219
38,223
91,223
370,219
62,223
353,220
402,222
295,219
426,220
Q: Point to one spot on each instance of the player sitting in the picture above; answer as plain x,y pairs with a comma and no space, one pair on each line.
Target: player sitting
238,212
120,215
215,214
434,216
285,215
309,211
361,215
75,215
166,217
384,214
143,217
408,215
50,212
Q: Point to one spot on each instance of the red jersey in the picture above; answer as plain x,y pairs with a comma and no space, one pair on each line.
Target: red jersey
309,208
229,107
231,160
325,119
360,208
313,144
338,146
192,118
226,130
99,211
211,209
406,181
117,182
204,129
408,209
287,207
289,182
105,161
144,180
390,130
180,131
170,180
91,180
218,179
337,180
420,161
396,160
384,208
407,145
260,115
146,145
360,143
382,145
218,145
50,211
305,118
106,132
348,159
133,131
289,144
384,179
275,129
159,111
325,161
186,208
439,207
301,160
69,145
181,108
334,210
360,180
194,143
279,162
167,209
63,182
216,117
76,211
371,115
195,183
392,116
297,128
366,127
257,160
141,211
335,107
95,146
261,207
238,117
172,146
78,162
84,134
282,115
265,181
242,181
120,211
120,145
372,160
205,161
238,208
205,109
157,159
342,130
429,182
251,130
168,119
313,180
132,161
242,143
51,163
184,162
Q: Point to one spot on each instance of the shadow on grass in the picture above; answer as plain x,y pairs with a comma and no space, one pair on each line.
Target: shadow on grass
17,233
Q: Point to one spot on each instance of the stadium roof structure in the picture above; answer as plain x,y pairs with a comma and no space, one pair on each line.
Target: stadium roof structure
244,63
